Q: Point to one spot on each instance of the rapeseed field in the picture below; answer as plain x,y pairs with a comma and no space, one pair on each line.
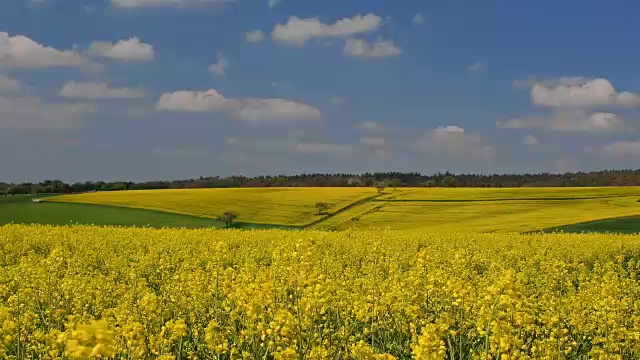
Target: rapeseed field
430,209
489,216
536,193
281,206
138,293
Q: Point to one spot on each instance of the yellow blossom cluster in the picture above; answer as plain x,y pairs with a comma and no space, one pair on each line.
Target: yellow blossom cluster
137,293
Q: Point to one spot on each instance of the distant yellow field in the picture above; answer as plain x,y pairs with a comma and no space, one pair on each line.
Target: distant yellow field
488,210
490,216
433,209
284,206
466,194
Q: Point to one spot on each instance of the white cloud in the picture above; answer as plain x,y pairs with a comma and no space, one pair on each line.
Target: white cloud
8,84
528,83
22,52
125,50
569,120
373,141
571,98
530,140
33,114
577,120
321,148
582,93
157,3
274,3
369,126
251,110
221,66
378,49
456,141
477,67
90,90
298,31
254,36
418,19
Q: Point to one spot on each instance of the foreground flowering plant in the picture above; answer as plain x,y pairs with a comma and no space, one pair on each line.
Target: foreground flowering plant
88,292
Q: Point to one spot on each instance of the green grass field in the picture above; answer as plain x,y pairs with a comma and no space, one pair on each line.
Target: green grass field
605,209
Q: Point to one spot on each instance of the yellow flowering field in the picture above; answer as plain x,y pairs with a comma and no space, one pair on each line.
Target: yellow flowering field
537,193
137,293
483,216
430,209
283,206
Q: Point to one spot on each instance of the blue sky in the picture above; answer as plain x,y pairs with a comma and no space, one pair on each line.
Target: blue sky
165,89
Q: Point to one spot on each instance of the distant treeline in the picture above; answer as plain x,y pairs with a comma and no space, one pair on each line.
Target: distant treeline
391,179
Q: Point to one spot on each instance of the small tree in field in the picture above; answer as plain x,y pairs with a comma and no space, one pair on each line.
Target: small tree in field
228,218
322,207
380,186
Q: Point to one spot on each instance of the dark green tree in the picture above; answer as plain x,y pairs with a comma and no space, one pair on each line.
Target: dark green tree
229,218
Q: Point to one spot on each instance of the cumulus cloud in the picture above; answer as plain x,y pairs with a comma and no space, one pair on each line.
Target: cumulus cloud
377,49
529,82
321,148
455,140
221,66
33,114
254,36
298,31
569,120
90,90
572,99
251,110
22,52
577,120
158,3
418,19
477,67
8,84
124,50
582,93
622,149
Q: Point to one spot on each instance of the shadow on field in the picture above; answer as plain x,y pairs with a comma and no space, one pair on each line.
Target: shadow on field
621,225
